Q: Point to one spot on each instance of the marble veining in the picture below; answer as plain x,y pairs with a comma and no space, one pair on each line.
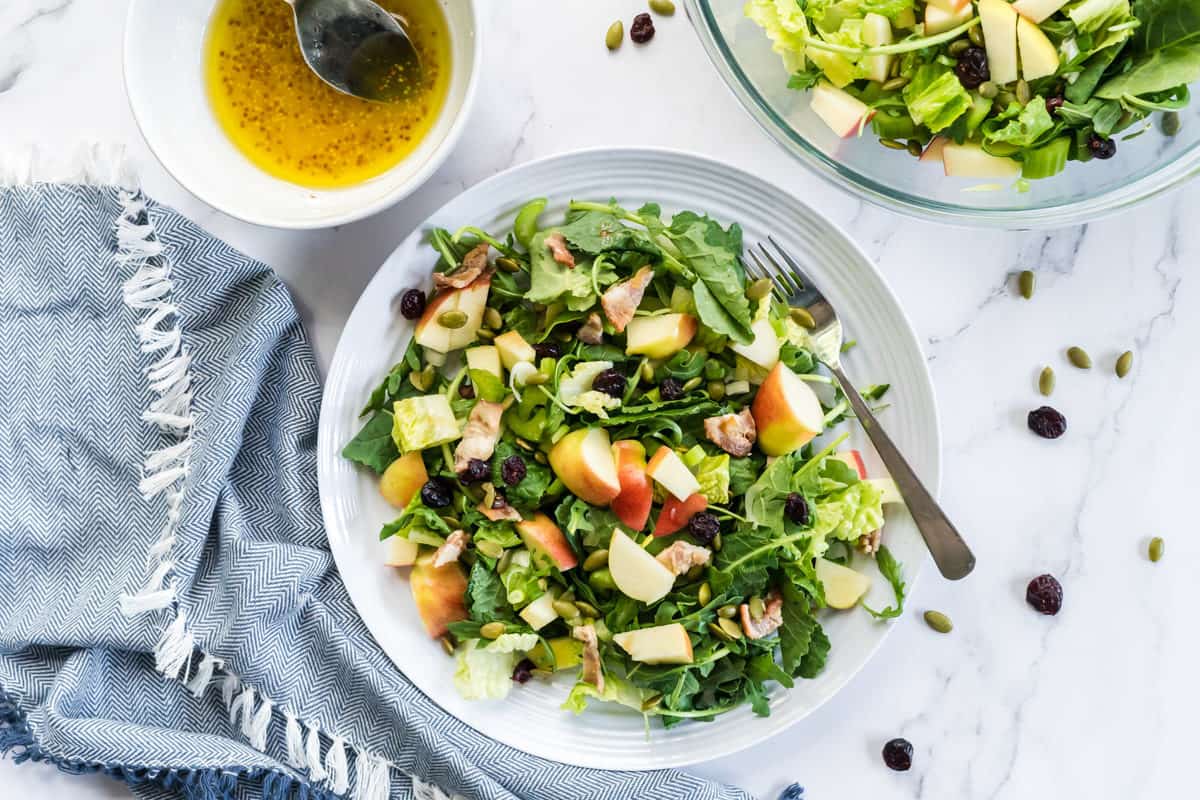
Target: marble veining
1099,702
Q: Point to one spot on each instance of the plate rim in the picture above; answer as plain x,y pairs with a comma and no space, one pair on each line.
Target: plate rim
923,377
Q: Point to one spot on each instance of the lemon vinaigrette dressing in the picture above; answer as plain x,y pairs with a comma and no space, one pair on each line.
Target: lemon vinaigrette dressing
291,124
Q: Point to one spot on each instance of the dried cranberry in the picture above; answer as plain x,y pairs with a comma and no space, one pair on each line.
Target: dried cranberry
611,382
547,350
1053,104
704,527
512,470
1047,423
412,303
1102,148
523,671
466,390
972,67
897,754
436,493
1044,593
477,470
796,508
642,29
670,389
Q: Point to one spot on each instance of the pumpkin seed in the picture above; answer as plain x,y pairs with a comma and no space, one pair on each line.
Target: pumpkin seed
602,580
452,319
587,609
652,702
597,559
1079,357
1004,99
647,372
490,549
566,609
447,645
727,612
803,318
915,149
893,144
976,37
451,521
895,84
525,445
716,543
714,369
504,561
1046,382
540,457
731,628
508,264
485,334
704,595
1171,123
1024,93
938,621
759,289
895,68
492,630
492,319
694,573
1124,364
692,383
716,390
957,47
1027,282
1157,545
615,35
719,632
756,608
423,380
664,7
988,90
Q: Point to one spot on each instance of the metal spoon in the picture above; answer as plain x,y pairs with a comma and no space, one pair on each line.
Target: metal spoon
357,48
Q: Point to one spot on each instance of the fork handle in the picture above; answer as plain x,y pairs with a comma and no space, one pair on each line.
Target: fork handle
951,554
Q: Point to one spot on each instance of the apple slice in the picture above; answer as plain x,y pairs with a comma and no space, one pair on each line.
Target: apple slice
676,514
950,5
485,358
403,478
843,586
968,160
854,460
440,595
1039,56
844,113
662,644
668,469
400,552
514,349
540,612
764,350
583,460
632,504
470,300
933,151
787,413
877,30
545,539
1000,35
906,19
939,19
659,337
1037,10
635,572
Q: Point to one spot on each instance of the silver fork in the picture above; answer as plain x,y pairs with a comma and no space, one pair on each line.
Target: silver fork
951,554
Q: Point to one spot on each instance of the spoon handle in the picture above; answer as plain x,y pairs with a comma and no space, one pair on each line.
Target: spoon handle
951,554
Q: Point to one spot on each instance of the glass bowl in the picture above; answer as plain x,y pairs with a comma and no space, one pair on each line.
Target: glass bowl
1143,166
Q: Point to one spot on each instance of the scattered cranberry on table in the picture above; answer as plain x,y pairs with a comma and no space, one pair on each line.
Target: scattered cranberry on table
642,29
897,754
1045,594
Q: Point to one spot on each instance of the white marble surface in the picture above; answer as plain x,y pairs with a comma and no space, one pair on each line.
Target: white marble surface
1100,702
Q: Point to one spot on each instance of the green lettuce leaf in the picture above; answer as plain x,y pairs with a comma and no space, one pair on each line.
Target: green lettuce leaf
373,446
616,690
1021,126
935,97
484,671
846,515
785,25
713,475
1161,70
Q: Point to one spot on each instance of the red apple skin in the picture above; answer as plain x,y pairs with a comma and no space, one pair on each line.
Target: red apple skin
440,594
541,535
855,460
567,461
779,432
676,514
632,505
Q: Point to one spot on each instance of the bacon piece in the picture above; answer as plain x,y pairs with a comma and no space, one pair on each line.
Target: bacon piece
451,549
480,434
682,556
500,509
591,673
592,331
620,301
733,433
558,248
475,263
772,617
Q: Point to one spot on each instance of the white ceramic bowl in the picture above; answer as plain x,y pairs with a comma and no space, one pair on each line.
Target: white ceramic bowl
164,77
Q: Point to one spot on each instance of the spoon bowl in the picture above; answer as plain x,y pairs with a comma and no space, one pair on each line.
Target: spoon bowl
358,48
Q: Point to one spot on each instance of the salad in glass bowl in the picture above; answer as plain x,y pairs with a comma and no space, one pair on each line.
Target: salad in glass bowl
988,88
611,453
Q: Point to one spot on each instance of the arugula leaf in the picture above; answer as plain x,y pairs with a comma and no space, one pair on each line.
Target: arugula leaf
528,492
694,406
797,358
396,385
1159,71
1165,23
743,472
765,499
486,597
596,232
417,516
799,625
814,660
373,446
762,667
1020,125
890,568
550,281
746,559
713,253
806,78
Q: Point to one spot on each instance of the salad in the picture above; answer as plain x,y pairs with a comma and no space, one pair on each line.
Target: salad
600,445
990,88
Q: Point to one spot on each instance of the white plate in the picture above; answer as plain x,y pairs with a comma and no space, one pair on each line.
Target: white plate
375,338
164,78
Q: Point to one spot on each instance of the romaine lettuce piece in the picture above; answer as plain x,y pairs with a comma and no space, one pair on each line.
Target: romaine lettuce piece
422,422
616,690
785,26
935,97
484,671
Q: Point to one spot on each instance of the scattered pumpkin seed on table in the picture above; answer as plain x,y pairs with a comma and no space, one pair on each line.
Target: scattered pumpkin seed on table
1046,382
663,8
938,621
1124,364
1027,282
1157,545
615,35
1079,357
